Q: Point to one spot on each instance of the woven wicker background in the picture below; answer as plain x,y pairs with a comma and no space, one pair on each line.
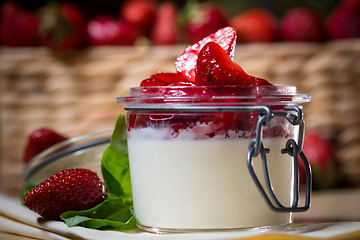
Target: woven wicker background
75,94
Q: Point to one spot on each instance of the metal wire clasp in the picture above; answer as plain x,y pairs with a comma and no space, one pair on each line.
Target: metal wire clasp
256,147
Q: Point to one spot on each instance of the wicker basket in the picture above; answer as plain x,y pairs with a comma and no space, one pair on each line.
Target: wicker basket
75,94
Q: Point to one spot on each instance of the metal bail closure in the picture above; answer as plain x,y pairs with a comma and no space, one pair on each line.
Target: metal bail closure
256,147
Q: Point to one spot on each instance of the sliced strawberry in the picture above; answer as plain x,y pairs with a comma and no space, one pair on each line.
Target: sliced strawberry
256,81
162,79
186,63
68,190
152,82
215,67
167,77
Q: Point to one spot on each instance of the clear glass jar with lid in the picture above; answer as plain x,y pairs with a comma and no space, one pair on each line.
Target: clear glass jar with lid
215,158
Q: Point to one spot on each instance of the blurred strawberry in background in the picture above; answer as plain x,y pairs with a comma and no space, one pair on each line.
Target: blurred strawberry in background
320,152
107,30
39,140
62,26
202,19
256,25
18,27
345,20
165,30
301,24
141,13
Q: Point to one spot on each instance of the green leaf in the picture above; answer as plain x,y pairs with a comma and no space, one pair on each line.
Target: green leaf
116,211
115,163
112,214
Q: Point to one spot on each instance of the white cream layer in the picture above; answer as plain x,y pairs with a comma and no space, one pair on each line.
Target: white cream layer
182,183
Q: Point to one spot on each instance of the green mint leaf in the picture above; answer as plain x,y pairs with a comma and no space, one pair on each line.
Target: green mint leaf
115,163
112,214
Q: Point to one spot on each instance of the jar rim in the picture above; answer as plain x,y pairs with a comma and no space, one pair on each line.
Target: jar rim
214,95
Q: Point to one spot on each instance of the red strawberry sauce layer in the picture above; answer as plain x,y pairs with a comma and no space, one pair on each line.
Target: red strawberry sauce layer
239,124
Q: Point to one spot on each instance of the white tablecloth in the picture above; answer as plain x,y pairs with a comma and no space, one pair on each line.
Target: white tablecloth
18,222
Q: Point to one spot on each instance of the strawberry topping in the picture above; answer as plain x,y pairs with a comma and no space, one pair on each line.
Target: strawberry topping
215,67
152,82
203,71
186,63
167,77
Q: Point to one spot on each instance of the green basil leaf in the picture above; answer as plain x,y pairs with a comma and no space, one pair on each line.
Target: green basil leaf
115,163
113,213
116,211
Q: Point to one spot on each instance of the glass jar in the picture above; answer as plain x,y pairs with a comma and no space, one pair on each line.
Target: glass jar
215,158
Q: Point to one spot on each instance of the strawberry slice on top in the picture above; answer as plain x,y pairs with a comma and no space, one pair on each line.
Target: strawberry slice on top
186,63
215,67
153,82
165,79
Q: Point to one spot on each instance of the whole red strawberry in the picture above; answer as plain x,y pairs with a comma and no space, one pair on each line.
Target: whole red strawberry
256,25
68,190
345,20
186,62
106,30
39,140
62,26
18,27
302,24
165,29
141,13
203,20
320,153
